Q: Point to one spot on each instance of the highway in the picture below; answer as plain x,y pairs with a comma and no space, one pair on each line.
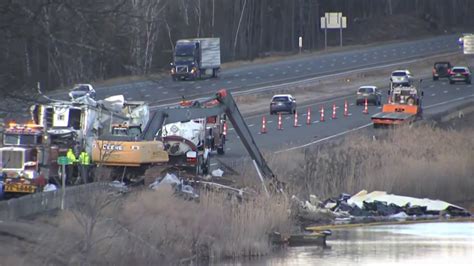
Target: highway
258,75
438,97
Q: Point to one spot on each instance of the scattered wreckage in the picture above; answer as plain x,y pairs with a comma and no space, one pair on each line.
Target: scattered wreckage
373,207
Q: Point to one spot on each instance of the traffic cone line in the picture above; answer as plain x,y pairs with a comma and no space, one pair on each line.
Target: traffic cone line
280,127
366,109
308,116
296,119
264,125
346,113
389,99
322,114
334,111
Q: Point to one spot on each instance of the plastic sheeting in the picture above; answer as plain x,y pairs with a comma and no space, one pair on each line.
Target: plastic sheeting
382,196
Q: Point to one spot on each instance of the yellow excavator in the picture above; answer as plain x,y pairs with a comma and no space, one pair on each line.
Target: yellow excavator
134,155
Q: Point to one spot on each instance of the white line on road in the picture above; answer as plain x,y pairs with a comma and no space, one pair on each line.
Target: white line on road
351,104
147,95
324,139
315,122
230,129
213,164
165,92
182,89
243,80
458,89
229,81
286,118
251,125
434,94
445,91
271,121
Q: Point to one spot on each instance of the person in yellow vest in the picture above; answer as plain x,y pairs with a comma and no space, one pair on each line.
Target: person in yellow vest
84,162
70,166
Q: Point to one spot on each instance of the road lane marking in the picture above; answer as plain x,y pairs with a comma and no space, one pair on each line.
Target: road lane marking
165,92
458,88
434,94
269,122
251,125
445,91
229,81
364,126
182,89
351,104
147,95
249,73
450,101
271,75
324,139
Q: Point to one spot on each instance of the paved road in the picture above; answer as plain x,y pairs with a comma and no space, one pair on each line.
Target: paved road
438,96
258,75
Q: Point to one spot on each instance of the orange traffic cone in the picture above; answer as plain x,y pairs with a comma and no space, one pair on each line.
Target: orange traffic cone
225,129
322,114
366,109
264,125
346,112
334,111
280,126
296,119
308,116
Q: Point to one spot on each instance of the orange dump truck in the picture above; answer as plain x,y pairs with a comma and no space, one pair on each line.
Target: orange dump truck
405,106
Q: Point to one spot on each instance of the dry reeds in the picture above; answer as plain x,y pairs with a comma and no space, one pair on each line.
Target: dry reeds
422,161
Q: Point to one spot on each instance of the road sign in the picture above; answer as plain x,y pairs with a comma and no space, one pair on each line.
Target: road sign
468,44
333,20
63,160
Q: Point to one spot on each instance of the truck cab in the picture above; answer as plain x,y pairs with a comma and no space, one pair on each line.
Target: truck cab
193,58
24,155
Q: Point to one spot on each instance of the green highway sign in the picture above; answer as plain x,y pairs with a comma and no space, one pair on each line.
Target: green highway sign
63,160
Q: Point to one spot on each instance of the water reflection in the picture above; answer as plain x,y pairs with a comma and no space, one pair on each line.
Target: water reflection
415,244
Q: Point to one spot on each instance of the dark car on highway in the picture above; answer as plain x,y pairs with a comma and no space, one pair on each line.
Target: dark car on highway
460,74
283,103
371,93
441,70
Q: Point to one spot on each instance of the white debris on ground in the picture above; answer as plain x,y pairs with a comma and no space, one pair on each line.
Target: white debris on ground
382,196
169,179
121,186
49,187
377,205
217,173
186,191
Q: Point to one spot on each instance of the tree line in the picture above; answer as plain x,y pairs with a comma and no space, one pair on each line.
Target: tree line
60,42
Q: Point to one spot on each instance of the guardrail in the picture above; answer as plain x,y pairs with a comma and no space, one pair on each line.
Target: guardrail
46,201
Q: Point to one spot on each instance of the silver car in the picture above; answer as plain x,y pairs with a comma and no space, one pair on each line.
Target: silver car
401,77
81,90
371,93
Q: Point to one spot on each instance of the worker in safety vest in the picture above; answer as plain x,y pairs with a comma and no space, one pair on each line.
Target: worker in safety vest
84,162
71,166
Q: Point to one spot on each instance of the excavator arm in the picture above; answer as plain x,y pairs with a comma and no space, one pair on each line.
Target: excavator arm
221,103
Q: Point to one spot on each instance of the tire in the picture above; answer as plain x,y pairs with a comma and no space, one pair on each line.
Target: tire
435,78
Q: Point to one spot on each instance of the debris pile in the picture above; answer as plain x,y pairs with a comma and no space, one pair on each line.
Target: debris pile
374,206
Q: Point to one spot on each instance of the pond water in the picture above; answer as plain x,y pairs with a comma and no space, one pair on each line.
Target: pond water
410,244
